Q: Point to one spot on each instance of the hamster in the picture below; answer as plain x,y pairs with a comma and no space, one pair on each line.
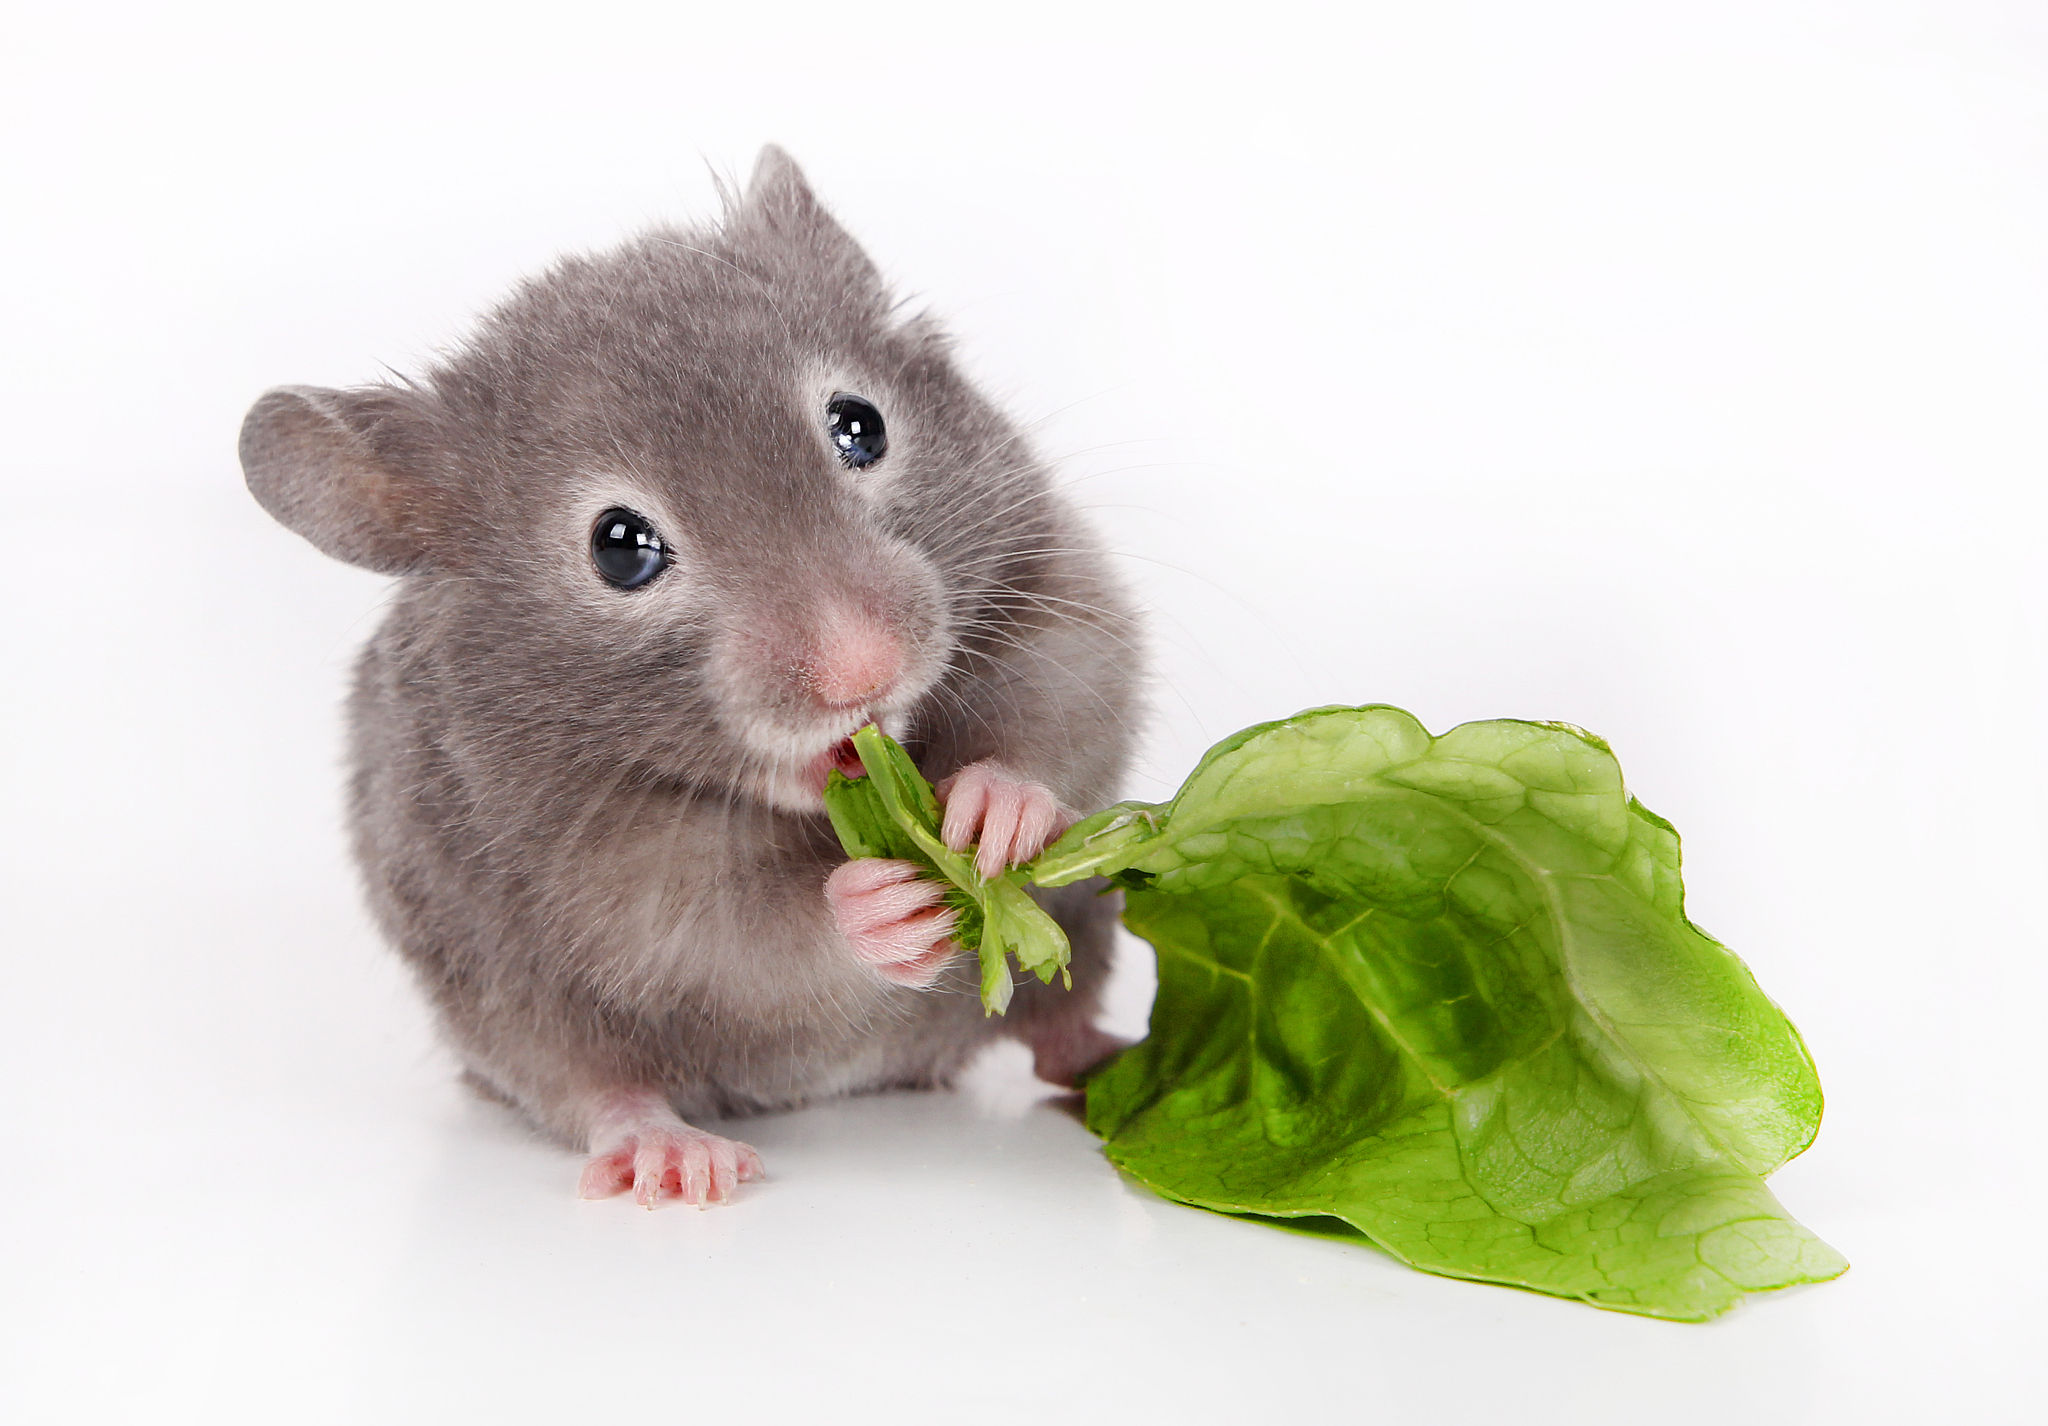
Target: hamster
671,525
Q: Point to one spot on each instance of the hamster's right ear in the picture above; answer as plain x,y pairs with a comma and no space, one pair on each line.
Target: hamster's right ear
346,469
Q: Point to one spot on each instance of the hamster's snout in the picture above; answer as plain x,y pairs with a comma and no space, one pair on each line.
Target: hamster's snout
796,676
855,660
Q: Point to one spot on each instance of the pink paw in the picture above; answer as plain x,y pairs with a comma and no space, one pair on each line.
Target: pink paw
895,920
664,1162
1012,820
1064,1050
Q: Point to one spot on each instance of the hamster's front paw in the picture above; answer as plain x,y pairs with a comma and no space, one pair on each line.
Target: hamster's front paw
1013,820
895,920
669,1162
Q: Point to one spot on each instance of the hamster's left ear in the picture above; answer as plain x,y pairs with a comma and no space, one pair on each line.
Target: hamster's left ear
779,205
349,470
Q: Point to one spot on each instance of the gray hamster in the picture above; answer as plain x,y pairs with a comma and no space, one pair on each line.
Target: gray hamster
673,523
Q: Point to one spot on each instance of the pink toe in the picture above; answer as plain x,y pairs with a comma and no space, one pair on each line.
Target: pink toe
1035,825
694,1172
867,874
605,1176
999,828
966,799
888,904
921,971
725,1171
903,940
651,1171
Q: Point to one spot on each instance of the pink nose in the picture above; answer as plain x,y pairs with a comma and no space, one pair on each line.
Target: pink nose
856,661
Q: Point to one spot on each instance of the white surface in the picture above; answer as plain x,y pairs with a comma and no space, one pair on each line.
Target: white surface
1677,378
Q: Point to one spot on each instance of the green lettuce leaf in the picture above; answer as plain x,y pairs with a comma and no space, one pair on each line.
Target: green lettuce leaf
1440,989
1444,989
892,813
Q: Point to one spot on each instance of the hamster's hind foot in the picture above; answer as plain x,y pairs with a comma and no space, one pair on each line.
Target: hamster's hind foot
1064,1050
662,1159
664,1165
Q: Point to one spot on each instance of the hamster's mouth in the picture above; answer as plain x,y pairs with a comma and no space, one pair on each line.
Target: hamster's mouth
840,755
796,781
846,759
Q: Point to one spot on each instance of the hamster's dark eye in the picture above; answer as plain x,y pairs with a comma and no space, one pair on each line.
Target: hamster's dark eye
626,550
857,430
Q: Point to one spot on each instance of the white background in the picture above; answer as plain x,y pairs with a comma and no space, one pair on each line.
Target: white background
1674,370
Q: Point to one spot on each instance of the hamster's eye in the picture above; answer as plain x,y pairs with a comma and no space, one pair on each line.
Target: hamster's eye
626,550
857,430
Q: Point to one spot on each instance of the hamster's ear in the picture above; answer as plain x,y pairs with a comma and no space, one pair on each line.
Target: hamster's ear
779,204
346,469
778,185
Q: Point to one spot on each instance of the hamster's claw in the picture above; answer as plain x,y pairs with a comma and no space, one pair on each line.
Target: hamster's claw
665,1163
1012,819
895,920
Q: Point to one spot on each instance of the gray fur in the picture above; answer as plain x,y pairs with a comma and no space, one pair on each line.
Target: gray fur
563,797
